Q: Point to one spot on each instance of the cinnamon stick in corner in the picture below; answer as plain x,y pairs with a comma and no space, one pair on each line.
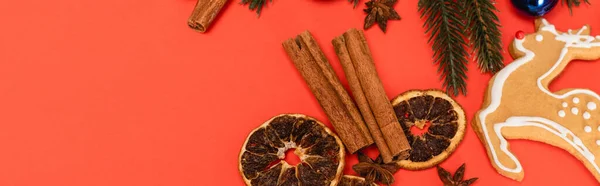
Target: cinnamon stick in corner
204,13
369,94
327,88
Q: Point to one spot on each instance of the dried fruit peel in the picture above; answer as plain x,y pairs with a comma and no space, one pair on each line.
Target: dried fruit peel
448,123
349,180
311,140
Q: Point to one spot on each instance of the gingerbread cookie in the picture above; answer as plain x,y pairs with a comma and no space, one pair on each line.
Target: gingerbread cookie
519,105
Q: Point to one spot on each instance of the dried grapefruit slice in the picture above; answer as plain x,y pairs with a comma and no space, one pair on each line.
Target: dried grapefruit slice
321,153
349,180
434,124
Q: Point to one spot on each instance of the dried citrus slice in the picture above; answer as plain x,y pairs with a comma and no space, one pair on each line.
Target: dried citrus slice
434,124
348,180
321,153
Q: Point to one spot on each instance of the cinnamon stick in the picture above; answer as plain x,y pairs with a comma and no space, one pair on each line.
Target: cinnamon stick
367,89
204,13
328,90
359,96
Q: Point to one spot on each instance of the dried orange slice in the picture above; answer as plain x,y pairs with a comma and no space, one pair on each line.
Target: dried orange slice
434,124
349,180
321,153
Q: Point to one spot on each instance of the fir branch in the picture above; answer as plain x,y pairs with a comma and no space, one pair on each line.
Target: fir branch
576,3
484,35
355,2
444,23
255,5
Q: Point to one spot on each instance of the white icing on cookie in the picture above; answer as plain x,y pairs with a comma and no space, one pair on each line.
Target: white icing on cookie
551,126
591,105
587,129
570,40
539,37
575,100
562,113
565,104
574,110
597,142
586,115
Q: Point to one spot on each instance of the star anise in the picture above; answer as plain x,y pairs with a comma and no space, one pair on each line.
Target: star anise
457,179
375,170
380,11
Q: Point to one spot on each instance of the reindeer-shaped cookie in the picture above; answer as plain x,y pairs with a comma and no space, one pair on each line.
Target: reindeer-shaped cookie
519,105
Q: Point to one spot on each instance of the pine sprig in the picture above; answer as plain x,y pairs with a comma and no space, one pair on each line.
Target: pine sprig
576,3
255,5
483,33
355,2
444,24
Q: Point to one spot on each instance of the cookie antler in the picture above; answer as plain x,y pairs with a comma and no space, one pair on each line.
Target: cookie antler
539,23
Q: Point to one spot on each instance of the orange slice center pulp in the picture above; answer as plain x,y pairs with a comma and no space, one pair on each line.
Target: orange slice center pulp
420,128
291,157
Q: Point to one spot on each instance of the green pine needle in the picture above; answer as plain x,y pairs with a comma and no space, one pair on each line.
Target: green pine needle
444,23
255,5
576,3
355,2
484,35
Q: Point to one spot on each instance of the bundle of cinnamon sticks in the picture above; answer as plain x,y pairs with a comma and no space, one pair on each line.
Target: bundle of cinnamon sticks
373,120
327,88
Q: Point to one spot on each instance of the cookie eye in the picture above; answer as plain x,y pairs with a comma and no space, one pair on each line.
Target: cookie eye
539,38
520,34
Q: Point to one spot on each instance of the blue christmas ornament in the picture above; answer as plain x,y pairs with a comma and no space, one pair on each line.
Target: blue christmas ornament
534,7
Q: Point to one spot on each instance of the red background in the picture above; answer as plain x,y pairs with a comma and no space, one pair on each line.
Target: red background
114,92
